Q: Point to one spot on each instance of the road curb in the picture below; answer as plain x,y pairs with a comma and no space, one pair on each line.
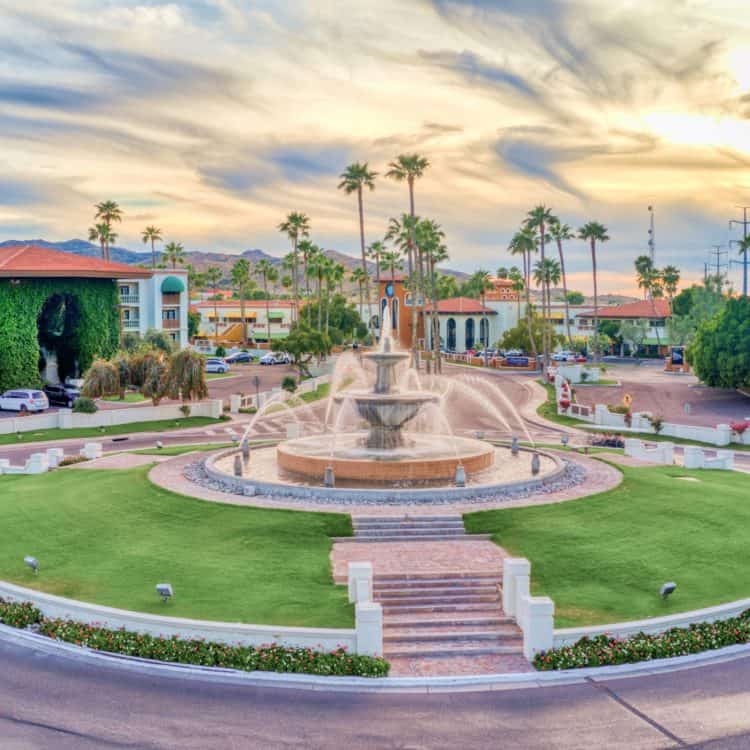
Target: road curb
425,685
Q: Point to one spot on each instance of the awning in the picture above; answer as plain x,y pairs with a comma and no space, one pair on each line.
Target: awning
172,285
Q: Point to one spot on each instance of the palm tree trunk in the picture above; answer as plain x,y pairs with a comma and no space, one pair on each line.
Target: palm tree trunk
268,311
596,301
364,255
242,315
295,289
565,293
410,262
153,254
529,315
216,322
104,254
320,301
328,305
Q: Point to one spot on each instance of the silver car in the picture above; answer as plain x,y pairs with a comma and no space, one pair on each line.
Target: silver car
24,400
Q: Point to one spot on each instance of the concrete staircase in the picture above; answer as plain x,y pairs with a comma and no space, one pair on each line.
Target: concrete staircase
410,529
444,615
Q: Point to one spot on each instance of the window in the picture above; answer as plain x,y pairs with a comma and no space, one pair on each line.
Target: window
394,315
470,333
169,314
124,291
484,332
451,334
174,336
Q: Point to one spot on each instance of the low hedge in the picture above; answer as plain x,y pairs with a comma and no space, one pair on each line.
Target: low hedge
267,658
603,651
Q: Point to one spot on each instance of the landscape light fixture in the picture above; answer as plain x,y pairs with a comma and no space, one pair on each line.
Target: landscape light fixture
667,589
164,590
565,440
32,562
514,446
535,464
159,444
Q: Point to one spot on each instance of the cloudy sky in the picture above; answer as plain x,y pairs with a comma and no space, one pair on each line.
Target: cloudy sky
213,118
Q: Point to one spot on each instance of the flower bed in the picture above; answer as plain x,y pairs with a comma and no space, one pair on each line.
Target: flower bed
267,658
603,651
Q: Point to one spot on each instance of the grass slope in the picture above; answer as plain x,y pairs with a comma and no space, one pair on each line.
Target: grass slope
603,558
109,536
160,425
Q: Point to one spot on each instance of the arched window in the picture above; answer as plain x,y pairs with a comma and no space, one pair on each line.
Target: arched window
484,332
394,315
470,333
451,335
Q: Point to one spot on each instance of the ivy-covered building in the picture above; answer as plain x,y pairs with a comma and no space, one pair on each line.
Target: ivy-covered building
59,311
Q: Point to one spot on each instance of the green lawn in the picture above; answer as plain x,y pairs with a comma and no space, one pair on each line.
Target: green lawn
178,450
322,391
110,536
132,397
216,375
548,409
160,425
602,559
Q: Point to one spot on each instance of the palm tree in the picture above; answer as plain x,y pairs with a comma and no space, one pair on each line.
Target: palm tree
670,276
561,233
502,272
353,179
243,283
409,168
101,233
329,274
539,219
359,277
515,275
317,265
644,271
152,235
213,276
594,232
546,273
481,281
295,227
108,211
305,247
267,271
374,251
174,253
523,243
338,274
435,253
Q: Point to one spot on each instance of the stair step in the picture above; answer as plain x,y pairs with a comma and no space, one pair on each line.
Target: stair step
433,620
388,577
426,538
358,527
436,584
438,649
436,601
408,608
453,531
436,592
407,635
404,519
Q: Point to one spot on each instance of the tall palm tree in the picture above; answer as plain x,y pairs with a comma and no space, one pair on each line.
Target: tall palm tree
267,271
594,232
562,233
644,272
338,274
670,276
353,179
174,253
317,264
305,247
108,212
374,251
100,233
483,283
436,253
523,243
213,275
152,234
539,219
243,284
409,168
295,227
515,275
329,274
359,277
546,273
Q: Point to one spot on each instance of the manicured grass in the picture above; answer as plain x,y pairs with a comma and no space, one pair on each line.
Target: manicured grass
132,397
548,409
322,391
159,425
178,450
601,381
110,536
216,375
602,559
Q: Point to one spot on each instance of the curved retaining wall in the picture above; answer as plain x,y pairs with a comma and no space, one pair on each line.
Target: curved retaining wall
156,625
375,496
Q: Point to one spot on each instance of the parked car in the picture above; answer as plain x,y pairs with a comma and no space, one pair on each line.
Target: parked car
276,358
490,353
62,394
564,356
24,400
580,357
238,357
514,353
216,365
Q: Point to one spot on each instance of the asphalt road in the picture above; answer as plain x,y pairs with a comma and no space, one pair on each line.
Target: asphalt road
54,702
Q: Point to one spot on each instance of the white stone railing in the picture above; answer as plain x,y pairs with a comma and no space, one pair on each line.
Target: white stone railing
67,419
239,401
661,453
365,638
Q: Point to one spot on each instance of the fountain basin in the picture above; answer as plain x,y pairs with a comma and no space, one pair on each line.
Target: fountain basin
418,458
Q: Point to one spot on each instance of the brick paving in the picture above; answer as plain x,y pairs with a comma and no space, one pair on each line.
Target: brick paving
119,461
403,666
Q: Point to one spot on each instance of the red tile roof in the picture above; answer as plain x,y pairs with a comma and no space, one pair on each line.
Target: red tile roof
32,261
209,304
645,308
462,306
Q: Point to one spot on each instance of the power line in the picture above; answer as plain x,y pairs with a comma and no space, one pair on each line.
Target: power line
717,253
744,223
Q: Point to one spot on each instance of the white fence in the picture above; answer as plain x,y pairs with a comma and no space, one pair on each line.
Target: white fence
366,637
67,419
239,401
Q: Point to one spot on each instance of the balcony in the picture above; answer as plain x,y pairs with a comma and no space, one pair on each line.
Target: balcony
167,324
130,299
131,323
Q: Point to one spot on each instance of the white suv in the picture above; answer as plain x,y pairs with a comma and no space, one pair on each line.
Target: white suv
24,400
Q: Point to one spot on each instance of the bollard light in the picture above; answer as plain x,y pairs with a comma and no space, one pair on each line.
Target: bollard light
159,444
32,562
535,464
667,589
564,440
514,446
460,476
164,590
329,480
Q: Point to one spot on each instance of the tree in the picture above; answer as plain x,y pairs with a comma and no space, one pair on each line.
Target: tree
392,261
433,251
194,323
353,179
446,286
502,272
644,273
152,234
317,266
546,273
266,270
575,298
523,243
214,275
187,376
720,354
518,336
633,333
562,233
409,168
243,284
295,227
103,234
359,277
374,251
516,277
158,340
670,277
156,381
538,219
594,232
483,283
108,212
174,253
102,379
306,248
303,344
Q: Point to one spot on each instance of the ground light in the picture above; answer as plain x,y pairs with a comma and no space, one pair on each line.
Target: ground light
164,590
667,589
32,562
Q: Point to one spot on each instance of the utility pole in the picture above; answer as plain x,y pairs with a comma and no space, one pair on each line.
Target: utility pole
744,224
717,254
651,236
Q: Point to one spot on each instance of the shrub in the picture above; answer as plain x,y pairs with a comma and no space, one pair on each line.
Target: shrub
102,379
221,351
584,375
185,410
604,651
85,405
19,614
608,440
289,384
70,460
187,376
225,417
248,410
739,427
618,408
657,423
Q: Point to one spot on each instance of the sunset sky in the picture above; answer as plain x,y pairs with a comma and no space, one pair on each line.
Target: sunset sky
214,118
